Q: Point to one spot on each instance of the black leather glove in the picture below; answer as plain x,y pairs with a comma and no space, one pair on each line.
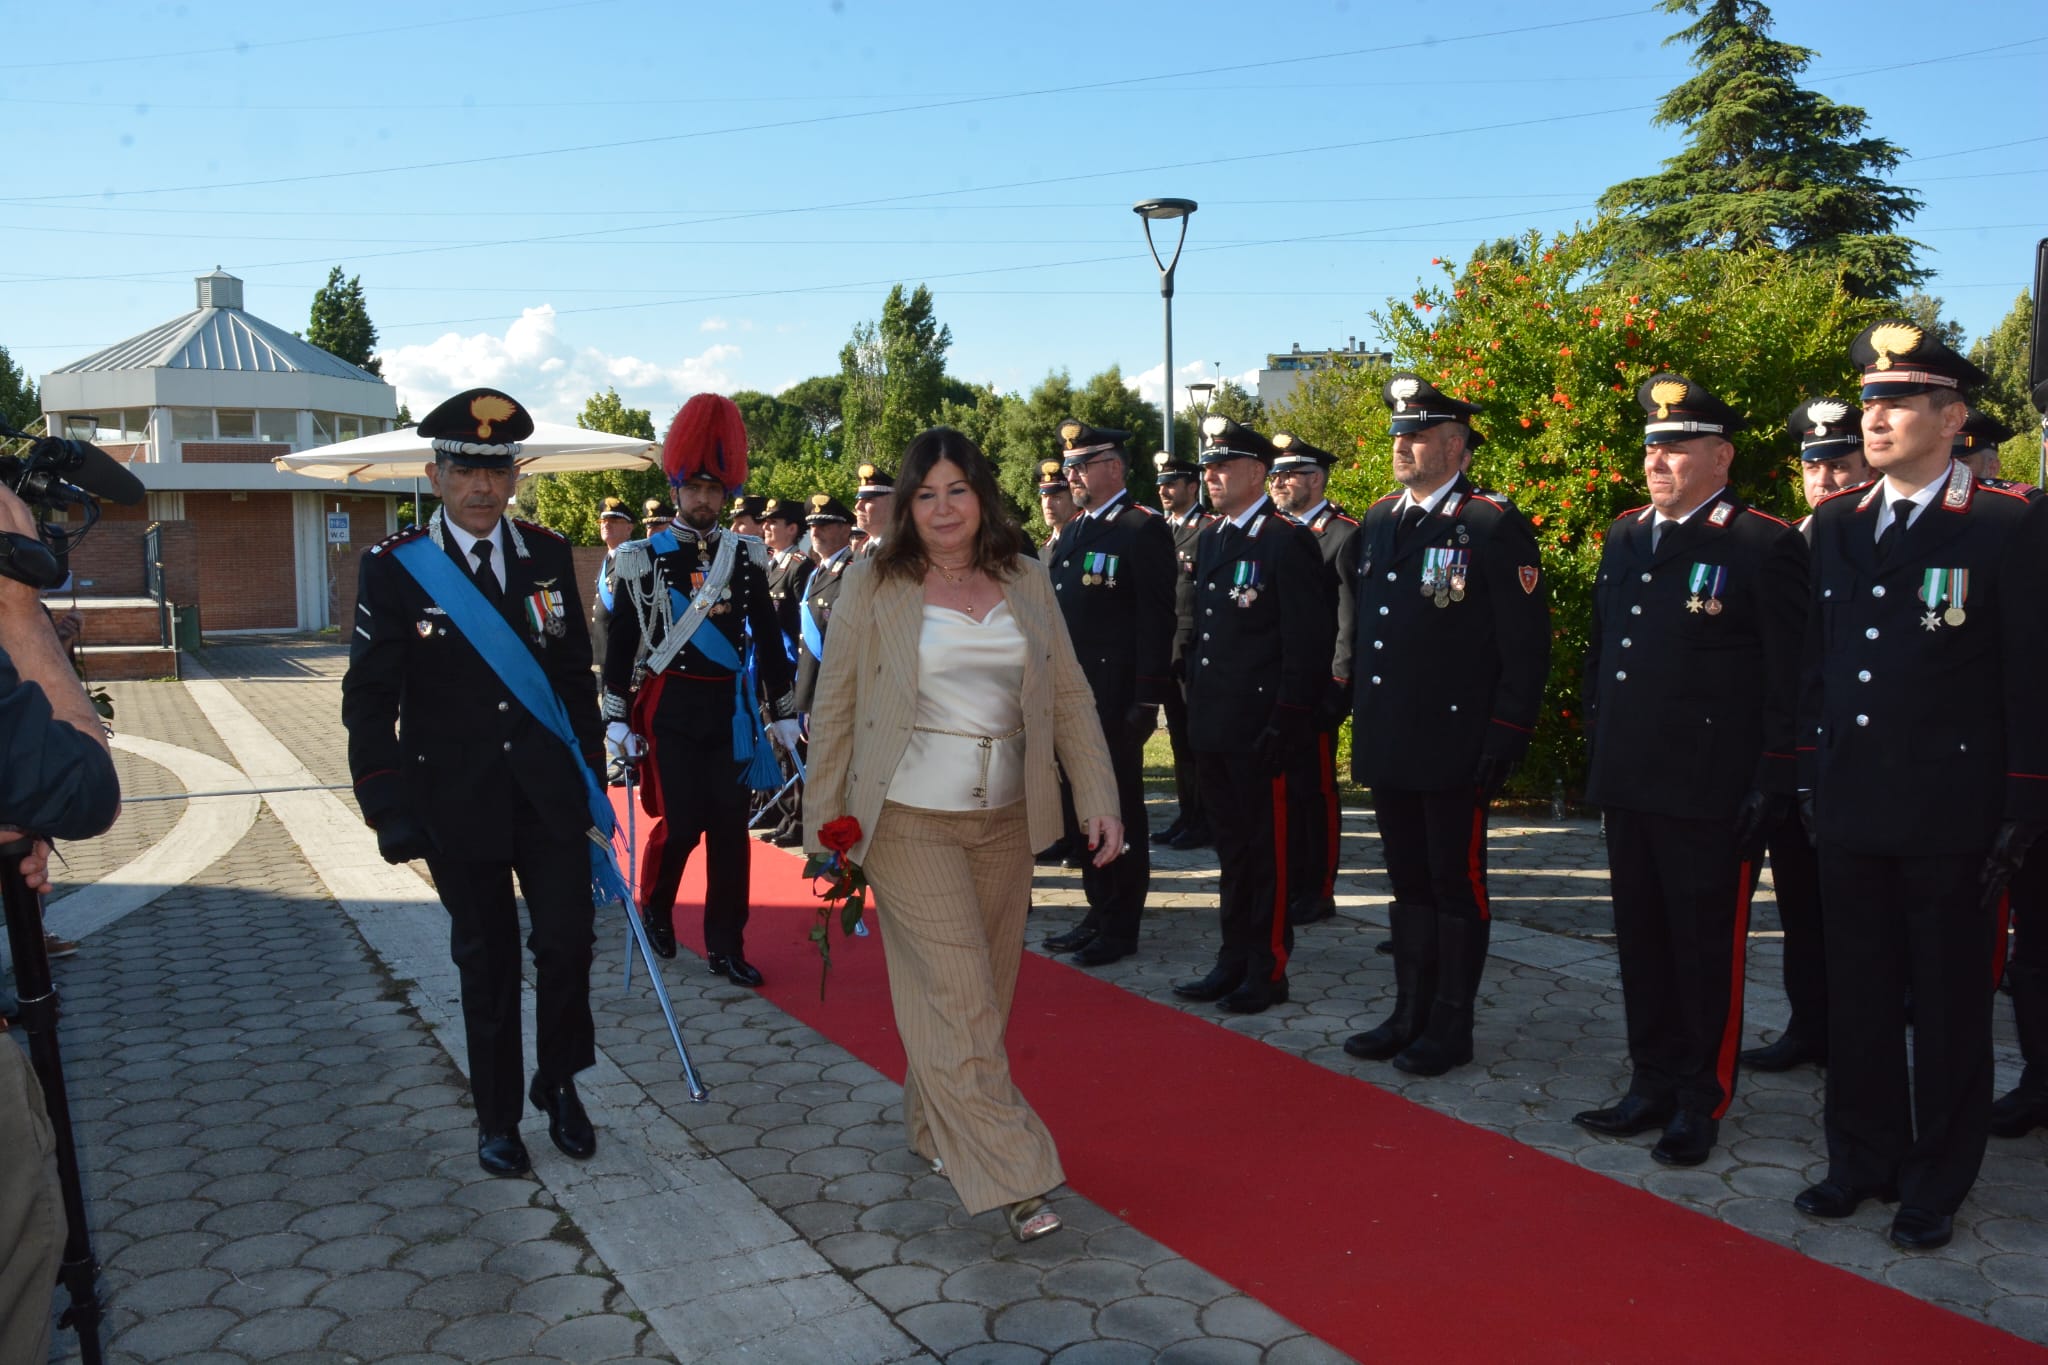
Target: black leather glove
1754,816
1142,718
1493,774
1283,736
401,838
1335,707
1805,799
2008,852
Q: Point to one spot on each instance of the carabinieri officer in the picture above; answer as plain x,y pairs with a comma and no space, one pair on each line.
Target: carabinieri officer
1113,573
476,784
1690,692
1927,587
1299,479
696,618
1257,660
1443,646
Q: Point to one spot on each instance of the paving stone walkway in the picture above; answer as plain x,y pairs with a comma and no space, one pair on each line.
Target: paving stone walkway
280,1153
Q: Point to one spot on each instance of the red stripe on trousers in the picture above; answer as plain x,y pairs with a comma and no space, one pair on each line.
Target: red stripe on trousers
2004,930
1329,772
1279,877
1474,852
1731,1030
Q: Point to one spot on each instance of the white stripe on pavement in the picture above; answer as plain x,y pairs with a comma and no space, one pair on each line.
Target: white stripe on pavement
205,833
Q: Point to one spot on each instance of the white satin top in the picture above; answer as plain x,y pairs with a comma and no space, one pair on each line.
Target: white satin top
966,751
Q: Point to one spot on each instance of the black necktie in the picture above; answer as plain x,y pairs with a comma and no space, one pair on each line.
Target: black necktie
1657,534
1895,534
1412,517
486,580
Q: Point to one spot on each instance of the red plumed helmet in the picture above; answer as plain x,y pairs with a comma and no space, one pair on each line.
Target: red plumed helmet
707,440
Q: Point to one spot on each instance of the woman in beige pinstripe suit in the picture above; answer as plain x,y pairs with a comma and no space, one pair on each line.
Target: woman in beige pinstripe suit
949,689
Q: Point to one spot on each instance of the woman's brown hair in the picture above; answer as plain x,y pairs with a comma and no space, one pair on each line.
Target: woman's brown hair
997,542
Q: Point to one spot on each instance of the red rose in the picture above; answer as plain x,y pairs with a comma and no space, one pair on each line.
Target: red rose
840,835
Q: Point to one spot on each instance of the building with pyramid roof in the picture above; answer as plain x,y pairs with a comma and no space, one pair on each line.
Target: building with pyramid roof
198,407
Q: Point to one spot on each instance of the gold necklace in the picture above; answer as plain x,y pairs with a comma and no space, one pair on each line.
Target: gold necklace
948,574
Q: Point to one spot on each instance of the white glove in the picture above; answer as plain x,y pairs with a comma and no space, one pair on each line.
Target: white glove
615,736
785,733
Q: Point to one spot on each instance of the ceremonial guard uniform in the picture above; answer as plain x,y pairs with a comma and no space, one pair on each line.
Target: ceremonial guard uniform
1921,594
1690,696
1190,828
1976,445
613,512
821,593
1257,662
1444,647
1312,805
702,630
1112,572
656,514
451,766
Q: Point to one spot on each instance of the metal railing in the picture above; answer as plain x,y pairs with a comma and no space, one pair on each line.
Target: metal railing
153,580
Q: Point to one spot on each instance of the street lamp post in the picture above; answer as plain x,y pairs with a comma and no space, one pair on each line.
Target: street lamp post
1166,210
1200,394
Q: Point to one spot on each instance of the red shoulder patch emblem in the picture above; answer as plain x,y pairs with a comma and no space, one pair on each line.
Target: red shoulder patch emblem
1528,574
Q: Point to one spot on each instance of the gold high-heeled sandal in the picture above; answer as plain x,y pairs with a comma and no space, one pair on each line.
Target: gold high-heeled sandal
1031,1219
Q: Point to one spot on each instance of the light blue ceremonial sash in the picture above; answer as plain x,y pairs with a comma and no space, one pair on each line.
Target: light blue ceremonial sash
750,744
604,584
456,593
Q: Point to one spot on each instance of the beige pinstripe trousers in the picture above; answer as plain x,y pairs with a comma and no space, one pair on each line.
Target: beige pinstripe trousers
951,892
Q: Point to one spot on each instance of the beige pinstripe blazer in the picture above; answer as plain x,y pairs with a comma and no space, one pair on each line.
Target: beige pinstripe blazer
867,703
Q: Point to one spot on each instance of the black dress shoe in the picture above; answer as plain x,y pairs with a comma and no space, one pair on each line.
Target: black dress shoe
1832,1199
1076,938
1688,1139
2019,1112
1170,833
568,1125
1788,1052
1051,854
788,838
1254,997
734,968
1312,911
1102,952
1220,982
1385,947
661,932
1199,837
502,1154
1918,1230
1633,1115
1079,857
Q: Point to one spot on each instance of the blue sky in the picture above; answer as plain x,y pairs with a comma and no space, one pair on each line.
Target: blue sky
667,197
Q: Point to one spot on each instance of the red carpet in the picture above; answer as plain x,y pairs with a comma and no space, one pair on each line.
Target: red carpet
1390,1231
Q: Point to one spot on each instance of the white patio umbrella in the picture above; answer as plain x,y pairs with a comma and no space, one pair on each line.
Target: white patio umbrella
552,449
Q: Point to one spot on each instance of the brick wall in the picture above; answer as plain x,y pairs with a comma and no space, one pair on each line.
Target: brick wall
109,561
367,517
246,575
231,452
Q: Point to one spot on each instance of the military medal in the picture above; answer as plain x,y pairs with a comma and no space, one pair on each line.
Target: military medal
425,628
1944,585
1709,584
1244,588
545,612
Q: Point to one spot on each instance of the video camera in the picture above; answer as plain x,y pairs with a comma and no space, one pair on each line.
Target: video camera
55,473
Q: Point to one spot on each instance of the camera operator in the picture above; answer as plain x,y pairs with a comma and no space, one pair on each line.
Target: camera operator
56,780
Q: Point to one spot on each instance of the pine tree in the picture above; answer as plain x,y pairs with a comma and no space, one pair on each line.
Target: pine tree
19,402
341,324
1766,162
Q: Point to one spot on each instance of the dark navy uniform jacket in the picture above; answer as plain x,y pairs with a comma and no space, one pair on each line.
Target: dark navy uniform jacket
56,781
821,590
1120,615
1187,533
1691,689
1435,687
433,731
1898,763
1248,655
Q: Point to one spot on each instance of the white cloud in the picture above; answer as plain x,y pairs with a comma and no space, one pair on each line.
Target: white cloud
1147,383
535,364
713,325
